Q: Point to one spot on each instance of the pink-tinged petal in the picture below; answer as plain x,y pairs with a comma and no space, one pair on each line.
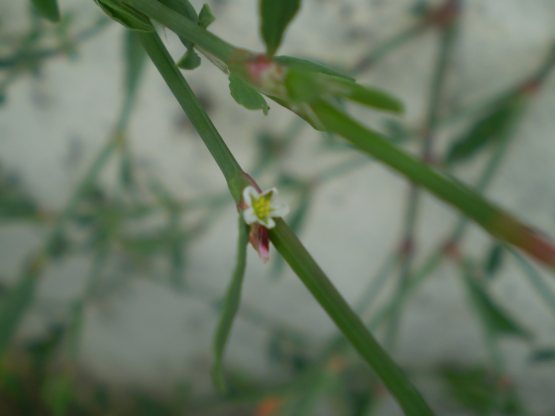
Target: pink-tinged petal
249,216
264,244
258,237
249,194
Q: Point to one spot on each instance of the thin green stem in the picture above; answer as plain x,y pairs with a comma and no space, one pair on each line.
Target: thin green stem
494,220
207,131
408,241
231,306
347,321
27,56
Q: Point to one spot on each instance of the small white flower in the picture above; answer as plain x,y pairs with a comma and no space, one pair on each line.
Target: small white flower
262,207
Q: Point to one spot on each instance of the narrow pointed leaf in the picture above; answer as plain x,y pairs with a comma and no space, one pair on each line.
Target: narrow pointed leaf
476,390
48,9
246,95
494,317
494,126
310,65
494,259
275,16
14,305
307,86
543,355
206,17
127,16
230,306
190,60
183,7
368,96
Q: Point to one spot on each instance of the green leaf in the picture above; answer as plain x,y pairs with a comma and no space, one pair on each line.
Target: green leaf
494,317
246,95
206,17
307,86
368,96
275,16
230,306
494,259
135,58
477,390
126,15
494,126
13,306
542,355
48,9
183,7
309,65
14,203
190,60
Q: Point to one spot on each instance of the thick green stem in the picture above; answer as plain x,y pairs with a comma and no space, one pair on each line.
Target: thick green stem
348,322
207,131
494,220
287,243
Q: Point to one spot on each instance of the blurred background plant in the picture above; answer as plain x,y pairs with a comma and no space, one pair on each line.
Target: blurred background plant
147,233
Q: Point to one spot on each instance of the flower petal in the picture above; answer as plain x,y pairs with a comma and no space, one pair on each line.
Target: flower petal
249,195
270,223
249,216
279,210
263,244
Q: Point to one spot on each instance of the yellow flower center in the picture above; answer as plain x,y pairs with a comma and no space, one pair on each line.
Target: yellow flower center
261,207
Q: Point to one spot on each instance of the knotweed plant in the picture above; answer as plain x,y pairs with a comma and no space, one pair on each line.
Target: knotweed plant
321,96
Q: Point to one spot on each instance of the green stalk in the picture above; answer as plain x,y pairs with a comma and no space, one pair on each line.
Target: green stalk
408,240
231,170
22,295
346,320
230,306
20,298
494,220
286,242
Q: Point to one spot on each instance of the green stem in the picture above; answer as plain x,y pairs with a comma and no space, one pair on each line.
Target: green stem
286,242
408,242
346,320
23,293
231,170
497,222
231,306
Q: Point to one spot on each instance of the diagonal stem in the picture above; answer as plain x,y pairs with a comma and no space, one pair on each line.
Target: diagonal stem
286,241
